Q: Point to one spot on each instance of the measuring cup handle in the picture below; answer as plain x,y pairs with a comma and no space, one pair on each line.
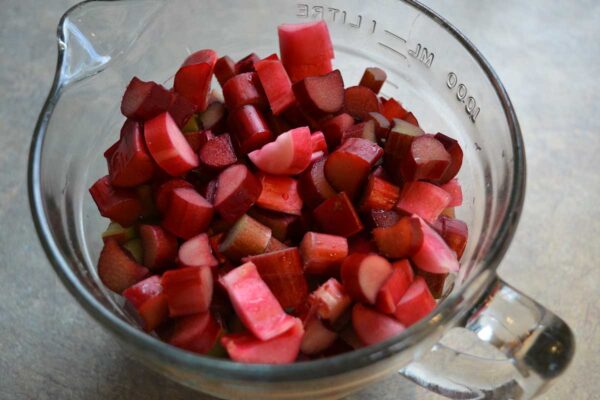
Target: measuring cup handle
538,344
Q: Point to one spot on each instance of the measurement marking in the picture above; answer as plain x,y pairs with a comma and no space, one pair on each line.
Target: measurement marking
392,49
392,84
394,35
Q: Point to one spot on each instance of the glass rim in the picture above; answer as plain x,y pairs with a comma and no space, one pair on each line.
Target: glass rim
314,369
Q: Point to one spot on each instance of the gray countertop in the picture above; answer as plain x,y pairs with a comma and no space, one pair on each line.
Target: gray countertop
547,53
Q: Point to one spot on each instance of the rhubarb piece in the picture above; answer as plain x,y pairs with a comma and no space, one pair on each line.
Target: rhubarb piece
275,245
281,349
317,338
130,164
307,43
379,195
372,327
359,101
160,247
154,312
382,218
456,155
162,196
192,80
297,72
247,64
289,154
118,232
363,275
117,269
193,125
362,130
434,255
197,333
373,78
453,188
249,128
118,204
323,253
398,145
410,118
435,282
401,240
426,159
213,117
416,303
188,213
280,193
181,110
449,212
330,300
322,95
218,153
276,84
254,303
146,196
394,287
334,128
198,139
318,143
224,69
244,89
134,248
247,237
278,124
168,146
348,167
313,186
188,290
142,291
215,242
424,199
237,191
196,252
283,226
282,272
337,216
455,234
361,243
382,125
392,109
144,100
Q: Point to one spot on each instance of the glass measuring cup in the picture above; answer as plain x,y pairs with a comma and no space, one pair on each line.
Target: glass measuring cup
432,68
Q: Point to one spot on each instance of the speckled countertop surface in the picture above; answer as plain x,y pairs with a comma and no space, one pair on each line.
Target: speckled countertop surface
547,54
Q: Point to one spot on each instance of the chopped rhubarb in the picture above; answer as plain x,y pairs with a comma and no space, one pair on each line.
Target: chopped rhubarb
379,195
401,240
453,188
237,190
330,300
394,287
382,125
142,291
424,199
130,163
334,128
361,243
275,245
280,193
160,247
224,69
135,250
197,252
372,327
362,130
276,84
416,303
382,218
117,269
247,237
337,216
247,64
302,44
144,100
455,234
320,95
289,154
363,275
197,139
410,118
359,101
391,109
119,204
397,147
213,117
218,153
373,78
254,302
197,333
154,312
182,110
456,156
283,226
249,128
244,89
162,197
323,253
434,255
318,143
317,338
192,80
435,282
188,213
118,232
313,186
188,290
426,158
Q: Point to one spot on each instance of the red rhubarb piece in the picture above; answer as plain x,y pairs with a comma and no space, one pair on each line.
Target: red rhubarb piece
249,128
334,128
424,199
455,233
237,191
372,327
401,240
130,164
181,110
416,303
317,337
359,101
144,100
379,195
318,143
276,84
391,109
247,237
435,282
163,193
330,300
456,154
426,159
397,146
283,226
119,233
213,117
197,139
254,302
188,290
434,255
361,243
119,204
275,245
188,213
154,312
142,291
160,247
362,130
453,188
197,252
282,272
323,253
410,117
280,193
247,64
313,186
307,43
382,218
348,167
281,349
382,125
197,333
168,146
394,287
224,69
364,274
337,216
218,153
244,89
319,96
192,80
289,154
117,268
373,78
